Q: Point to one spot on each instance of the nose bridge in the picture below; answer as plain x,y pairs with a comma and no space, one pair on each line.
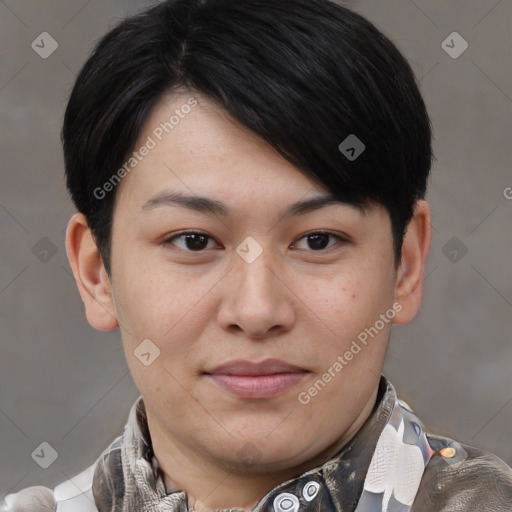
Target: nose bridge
257,299
256,269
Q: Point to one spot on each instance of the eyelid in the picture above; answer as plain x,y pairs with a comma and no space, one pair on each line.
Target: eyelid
188,232
167,239
341,237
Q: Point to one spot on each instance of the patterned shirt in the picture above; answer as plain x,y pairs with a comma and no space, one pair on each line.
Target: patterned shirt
390,465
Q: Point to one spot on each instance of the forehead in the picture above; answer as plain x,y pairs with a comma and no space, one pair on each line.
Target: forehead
192,153
190,143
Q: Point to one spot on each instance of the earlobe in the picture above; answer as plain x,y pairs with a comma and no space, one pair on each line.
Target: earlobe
90,275
409,280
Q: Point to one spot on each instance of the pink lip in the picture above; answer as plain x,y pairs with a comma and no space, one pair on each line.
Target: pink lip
256,380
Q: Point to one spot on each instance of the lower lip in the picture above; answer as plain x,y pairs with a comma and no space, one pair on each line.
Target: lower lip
258,386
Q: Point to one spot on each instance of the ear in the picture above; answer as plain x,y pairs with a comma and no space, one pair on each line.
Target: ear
409,280
90,275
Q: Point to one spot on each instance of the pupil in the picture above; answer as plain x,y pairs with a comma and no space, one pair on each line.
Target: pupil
195,245
315,239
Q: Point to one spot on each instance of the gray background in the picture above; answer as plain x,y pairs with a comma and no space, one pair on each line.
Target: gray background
65,383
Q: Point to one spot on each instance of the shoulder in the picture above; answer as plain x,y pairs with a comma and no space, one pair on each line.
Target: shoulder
73,495
459,478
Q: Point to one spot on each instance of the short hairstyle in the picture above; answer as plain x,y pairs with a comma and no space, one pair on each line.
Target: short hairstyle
302,74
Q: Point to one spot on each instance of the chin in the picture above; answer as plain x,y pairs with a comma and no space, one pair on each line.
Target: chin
250,460
266,453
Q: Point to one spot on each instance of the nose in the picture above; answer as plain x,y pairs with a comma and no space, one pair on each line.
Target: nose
257,301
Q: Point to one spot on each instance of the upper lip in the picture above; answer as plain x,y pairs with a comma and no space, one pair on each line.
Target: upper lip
267,367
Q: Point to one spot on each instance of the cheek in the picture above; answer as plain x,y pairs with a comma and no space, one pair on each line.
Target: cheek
344,301
159,302
343,306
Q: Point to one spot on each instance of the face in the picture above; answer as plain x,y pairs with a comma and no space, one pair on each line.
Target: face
243,279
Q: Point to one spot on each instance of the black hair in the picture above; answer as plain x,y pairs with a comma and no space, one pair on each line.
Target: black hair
302,74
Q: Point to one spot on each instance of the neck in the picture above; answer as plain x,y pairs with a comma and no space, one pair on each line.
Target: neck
211,486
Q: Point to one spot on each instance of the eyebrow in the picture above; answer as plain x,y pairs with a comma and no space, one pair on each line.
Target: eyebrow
207,205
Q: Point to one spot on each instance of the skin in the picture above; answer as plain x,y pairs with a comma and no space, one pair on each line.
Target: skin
295,302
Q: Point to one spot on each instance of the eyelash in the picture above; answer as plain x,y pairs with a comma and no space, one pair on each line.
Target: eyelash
306,235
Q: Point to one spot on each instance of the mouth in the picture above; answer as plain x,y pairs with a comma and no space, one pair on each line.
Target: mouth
266,379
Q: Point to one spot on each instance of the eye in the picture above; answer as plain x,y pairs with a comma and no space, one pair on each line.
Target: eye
196,241
318,240
193,241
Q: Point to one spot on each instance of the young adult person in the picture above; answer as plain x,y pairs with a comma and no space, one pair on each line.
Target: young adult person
250,181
